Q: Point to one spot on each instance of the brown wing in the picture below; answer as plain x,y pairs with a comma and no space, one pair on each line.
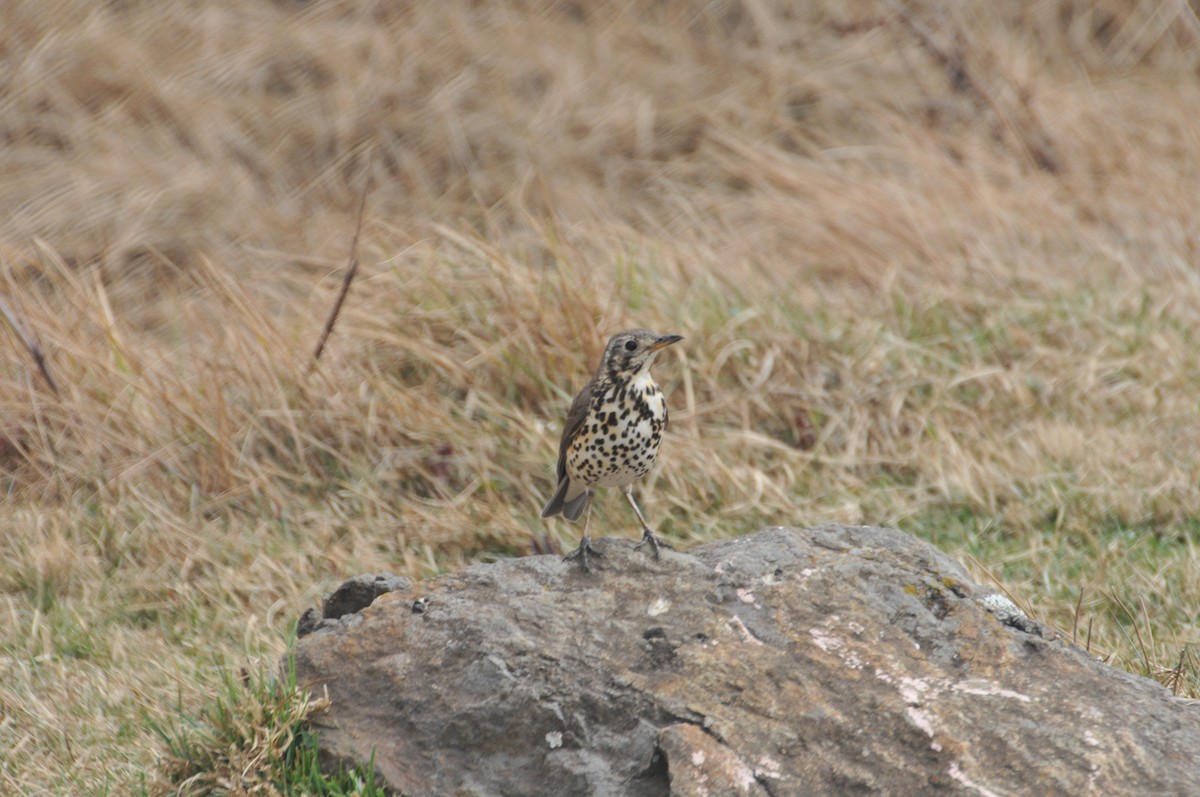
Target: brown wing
575,418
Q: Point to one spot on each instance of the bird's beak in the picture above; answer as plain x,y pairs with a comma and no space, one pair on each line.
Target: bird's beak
665,341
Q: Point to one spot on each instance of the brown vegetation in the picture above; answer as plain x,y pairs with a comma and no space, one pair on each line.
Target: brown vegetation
937,267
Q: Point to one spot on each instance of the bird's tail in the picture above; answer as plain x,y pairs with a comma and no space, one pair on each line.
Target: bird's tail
570,507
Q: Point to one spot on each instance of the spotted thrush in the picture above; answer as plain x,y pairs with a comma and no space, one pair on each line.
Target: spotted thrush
612,434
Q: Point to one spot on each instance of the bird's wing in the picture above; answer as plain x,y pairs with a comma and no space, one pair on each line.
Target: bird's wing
575,418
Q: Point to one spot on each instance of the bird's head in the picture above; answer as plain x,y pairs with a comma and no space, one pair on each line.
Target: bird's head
633,351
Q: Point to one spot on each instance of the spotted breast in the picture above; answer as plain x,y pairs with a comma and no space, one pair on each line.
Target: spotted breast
623,433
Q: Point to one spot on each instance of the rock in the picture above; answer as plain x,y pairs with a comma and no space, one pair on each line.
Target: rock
351,597
835,660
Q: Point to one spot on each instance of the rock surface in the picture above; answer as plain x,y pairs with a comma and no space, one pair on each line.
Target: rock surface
352,596
834,660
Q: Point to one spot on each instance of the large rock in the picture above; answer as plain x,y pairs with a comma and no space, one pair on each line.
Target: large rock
835,660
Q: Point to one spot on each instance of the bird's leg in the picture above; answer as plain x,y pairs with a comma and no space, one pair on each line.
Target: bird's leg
648,536
585,542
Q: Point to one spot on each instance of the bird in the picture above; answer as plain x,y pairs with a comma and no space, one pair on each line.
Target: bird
612,434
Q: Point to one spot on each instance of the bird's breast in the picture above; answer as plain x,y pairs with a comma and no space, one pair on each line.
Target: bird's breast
644,388
619,439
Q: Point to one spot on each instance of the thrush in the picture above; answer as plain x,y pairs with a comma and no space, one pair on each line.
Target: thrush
612,434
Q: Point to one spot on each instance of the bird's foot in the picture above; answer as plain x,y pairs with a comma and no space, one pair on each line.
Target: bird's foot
581,553
655,541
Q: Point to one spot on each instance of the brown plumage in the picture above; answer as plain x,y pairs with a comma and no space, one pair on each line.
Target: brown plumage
613,432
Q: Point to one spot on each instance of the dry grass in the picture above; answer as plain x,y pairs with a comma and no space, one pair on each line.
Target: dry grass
937,267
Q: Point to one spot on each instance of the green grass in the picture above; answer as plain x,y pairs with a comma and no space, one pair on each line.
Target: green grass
892,315
254,738
1086,576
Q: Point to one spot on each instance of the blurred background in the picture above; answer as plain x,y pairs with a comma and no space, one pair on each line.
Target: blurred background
937,266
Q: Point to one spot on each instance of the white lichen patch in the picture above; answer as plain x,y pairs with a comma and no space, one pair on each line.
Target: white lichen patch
914,689
742,776
836,646
736,625
920,719
1004,609
769,768
987,689
824,640
658,607
746,596
960,776
554,739
921,693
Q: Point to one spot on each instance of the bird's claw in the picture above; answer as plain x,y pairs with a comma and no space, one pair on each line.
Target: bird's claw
655,542
581,553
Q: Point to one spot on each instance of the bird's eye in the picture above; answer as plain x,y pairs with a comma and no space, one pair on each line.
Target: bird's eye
630,345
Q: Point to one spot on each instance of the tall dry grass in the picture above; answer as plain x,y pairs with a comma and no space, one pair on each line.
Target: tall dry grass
937,267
